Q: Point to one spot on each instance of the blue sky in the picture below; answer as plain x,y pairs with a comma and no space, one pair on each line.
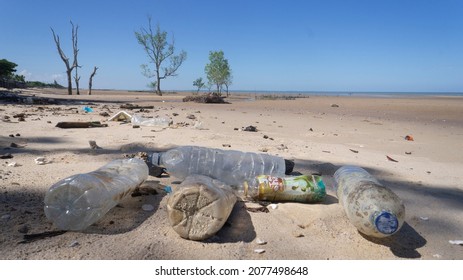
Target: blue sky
374,45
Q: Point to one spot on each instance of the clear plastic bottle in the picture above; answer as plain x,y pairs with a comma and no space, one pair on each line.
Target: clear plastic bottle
80,200
162,121
229,166
303,188
372,208
200,206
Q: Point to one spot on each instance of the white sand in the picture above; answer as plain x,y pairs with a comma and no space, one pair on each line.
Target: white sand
319,137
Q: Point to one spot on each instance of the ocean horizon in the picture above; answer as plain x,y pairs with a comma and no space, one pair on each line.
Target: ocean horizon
340,93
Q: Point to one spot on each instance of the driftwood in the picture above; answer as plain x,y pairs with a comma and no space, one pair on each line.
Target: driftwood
133,107
80,124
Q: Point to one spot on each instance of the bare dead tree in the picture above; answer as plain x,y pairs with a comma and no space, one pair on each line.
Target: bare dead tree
90,80
76,51
69,67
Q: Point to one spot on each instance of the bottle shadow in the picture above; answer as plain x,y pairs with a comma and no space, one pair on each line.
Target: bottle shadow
238,228
403,244
130,212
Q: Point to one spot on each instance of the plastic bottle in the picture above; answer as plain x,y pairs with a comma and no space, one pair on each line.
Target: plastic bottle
303,188
199,207
80,200
158,121
229,166
372,208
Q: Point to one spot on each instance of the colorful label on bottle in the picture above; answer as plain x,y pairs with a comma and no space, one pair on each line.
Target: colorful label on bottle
304,188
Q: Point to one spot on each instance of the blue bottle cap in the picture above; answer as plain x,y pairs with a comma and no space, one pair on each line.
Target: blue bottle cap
386,223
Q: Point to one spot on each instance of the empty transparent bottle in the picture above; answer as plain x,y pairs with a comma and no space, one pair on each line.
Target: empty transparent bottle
303,188
200,206
80,200
162,121
372,208
228,166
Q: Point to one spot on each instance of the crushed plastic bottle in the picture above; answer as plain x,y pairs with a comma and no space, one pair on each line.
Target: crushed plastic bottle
199,207
372,208
303,188
229,166
163,121
80,200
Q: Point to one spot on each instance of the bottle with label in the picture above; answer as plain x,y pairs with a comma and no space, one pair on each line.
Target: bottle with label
372,208
199,207
303,188
229,166
80,200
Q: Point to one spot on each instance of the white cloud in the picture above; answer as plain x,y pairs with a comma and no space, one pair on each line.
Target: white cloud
45,77
58,77
27,75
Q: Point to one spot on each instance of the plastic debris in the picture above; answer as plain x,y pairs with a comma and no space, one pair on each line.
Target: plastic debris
250,128
87,109
260,241
259,251
372,208
74,243
273,206
121,116
199,207
158,121
168,189
456,242
424,218
40,161
147,207
409,138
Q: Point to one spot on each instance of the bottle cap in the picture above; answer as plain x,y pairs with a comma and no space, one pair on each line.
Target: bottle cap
386,223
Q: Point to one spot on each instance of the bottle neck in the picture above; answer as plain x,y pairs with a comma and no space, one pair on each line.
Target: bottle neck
155,158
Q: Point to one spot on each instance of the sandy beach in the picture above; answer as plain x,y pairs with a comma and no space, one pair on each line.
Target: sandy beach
320,133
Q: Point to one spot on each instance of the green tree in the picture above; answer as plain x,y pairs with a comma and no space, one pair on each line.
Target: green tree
218,70
199,83
7,68
228,82
159,50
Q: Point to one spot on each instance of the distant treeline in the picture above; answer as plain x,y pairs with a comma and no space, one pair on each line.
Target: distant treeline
10,83
43,85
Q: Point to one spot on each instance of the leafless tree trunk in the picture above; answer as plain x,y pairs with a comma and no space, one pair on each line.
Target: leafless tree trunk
69,67
91,80
76,51
77,79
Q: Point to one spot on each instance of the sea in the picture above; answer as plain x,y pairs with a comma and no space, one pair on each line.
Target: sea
349,93
392,94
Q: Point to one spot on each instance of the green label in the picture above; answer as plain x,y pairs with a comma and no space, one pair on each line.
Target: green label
304,188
